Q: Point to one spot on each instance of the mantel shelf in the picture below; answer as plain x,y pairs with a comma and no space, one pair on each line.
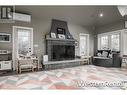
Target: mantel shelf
57,39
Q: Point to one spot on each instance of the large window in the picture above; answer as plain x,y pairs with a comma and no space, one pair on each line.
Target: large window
104,42
109,41
125,42
115,42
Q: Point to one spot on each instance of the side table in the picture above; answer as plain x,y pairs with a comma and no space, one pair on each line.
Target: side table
87,59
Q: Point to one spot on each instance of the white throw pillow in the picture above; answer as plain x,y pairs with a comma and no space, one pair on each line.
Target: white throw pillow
104,54
99,54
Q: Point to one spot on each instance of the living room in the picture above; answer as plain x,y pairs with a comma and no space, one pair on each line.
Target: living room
58,47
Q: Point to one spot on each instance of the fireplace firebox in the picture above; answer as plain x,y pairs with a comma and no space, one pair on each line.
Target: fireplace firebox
62,52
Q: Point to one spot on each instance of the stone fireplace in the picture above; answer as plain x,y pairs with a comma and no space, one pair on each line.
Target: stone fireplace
58,48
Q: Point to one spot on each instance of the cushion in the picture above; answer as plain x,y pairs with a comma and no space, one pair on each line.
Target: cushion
110,55
101,51
105,54
99,54
27,66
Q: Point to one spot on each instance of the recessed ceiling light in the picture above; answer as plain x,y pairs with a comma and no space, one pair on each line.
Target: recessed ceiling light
101,15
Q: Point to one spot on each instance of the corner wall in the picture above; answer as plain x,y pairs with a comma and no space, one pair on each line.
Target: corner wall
107,28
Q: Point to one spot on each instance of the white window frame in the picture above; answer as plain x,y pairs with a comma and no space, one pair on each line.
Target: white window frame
119,41
83,34
100,40
109,38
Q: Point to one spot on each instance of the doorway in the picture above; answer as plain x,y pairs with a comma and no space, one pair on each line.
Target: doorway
22,42
84,44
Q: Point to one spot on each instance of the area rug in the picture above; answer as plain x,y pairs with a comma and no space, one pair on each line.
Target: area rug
86,77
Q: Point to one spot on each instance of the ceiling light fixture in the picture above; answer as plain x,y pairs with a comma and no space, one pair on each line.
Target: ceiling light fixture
101,15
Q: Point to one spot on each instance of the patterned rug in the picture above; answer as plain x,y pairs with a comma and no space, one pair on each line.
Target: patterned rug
81,77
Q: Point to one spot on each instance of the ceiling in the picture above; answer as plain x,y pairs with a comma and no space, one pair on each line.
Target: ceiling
84,15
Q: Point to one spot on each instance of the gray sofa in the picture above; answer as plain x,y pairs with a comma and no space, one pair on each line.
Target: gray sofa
114,61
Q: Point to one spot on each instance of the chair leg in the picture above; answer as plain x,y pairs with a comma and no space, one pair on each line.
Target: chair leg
17,70
32,69
88,62
20,70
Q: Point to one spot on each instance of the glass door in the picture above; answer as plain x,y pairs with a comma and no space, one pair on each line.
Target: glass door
84,44
22,42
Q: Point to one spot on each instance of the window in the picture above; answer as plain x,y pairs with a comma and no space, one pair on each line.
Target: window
84,44
104,42
115,40
23,41
125,42
109,40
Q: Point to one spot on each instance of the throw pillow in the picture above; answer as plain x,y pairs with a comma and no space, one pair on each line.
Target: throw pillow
104,54
110,55
99,54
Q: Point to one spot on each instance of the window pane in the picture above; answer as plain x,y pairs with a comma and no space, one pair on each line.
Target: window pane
115,42
23,42
104,42
23,33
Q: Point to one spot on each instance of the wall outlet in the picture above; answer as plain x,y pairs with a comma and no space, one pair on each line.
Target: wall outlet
36,45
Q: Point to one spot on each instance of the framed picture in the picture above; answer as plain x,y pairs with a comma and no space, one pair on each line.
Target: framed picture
5,37
61,31
53,35
61,36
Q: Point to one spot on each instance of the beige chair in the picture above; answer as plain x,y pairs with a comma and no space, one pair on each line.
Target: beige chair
25,65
